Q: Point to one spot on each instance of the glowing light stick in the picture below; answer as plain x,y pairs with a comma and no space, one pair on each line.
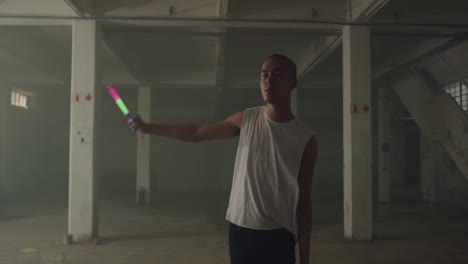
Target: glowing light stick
117,99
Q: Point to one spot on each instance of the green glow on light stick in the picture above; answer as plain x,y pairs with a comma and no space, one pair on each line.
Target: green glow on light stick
122,106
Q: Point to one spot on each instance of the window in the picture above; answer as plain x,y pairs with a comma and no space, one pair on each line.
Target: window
459,92
21,99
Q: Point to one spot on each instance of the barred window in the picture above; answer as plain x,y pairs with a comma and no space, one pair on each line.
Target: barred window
19,100
459,92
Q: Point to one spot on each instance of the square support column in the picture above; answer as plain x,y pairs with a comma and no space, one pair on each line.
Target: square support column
143,149
83,214
357,133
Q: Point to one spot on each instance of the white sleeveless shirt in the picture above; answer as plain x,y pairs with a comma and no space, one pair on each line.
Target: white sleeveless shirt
265,191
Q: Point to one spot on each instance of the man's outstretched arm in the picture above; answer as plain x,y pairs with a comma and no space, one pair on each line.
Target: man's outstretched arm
304,208
230,127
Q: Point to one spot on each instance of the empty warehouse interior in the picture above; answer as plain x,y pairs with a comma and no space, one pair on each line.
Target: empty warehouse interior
381,83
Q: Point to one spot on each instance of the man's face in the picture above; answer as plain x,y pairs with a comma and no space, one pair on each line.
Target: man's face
276,81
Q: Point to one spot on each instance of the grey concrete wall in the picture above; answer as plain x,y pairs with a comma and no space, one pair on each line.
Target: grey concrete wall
321,110
37,144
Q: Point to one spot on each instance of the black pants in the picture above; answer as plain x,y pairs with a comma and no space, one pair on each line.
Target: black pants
249,246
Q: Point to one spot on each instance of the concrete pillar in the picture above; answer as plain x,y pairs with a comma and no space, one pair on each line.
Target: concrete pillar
82,214
4,107
385,182
143,148
357,133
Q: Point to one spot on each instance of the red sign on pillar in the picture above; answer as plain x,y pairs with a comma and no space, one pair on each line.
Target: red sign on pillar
360,108
83,97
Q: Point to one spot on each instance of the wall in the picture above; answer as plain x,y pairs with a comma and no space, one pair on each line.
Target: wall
321,110
37,144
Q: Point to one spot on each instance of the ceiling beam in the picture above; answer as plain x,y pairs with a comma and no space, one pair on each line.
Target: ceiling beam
73,5
358,11
26,21
82,8
363,10
316,53
165,31
219,23
421,52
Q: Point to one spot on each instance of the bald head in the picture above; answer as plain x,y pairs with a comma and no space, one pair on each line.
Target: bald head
289,64
278,79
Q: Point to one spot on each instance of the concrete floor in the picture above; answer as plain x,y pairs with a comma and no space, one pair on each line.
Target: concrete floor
193,231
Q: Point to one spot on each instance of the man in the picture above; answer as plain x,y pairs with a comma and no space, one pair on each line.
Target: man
270,206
